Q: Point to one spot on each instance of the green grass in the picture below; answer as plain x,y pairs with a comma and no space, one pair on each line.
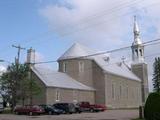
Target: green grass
7,111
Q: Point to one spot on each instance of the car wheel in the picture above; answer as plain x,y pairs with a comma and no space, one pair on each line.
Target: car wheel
57,113
17,113
50,112
92,110
30,113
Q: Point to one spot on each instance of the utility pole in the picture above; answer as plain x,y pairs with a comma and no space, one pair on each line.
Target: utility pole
14,95
18,53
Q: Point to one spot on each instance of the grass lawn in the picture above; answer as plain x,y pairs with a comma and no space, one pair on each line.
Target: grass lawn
7,111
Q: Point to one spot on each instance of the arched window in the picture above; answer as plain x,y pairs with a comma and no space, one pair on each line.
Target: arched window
81,66
64,67
120,91
127,92
136,52
140,52
57,95
113,91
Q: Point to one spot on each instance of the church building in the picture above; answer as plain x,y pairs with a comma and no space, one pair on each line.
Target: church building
83,76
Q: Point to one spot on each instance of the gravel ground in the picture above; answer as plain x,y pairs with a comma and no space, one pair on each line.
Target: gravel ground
107,115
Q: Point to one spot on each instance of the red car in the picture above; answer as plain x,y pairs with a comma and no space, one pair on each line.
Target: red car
29,109
86,106
99,107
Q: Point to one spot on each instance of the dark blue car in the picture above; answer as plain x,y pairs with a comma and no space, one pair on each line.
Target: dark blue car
51,110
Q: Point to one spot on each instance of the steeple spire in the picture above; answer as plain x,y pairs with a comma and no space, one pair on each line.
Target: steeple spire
137,45
136,32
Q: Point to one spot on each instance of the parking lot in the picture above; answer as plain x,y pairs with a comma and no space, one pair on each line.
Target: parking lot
107,115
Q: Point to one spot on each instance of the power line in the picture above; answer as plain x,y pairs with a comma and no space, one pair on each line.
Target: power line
83,23
70,33
105,12
147,43
105,52
103,65
18,53
85,28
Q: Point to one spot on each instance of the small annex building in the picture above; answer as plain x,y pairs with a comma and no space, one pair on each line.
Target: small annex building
82,76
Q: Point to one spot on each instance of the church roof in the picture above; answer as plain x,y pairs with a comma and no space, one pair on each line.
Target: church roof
76,50
120,69
58,79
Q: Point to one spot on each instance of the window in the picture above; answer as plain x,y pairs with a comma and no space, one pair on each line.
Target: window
140,52
136,52
127,92
75,96
57,95
120,91
81,66
64,67
133,96
113,91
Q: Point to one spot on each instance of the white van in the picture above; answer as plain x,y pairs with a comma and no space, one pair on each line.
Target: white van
1,104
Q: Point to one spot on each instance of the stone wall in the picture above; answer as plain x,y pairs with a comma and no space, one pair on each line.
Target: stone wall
99,84
72,69
122,92
69,95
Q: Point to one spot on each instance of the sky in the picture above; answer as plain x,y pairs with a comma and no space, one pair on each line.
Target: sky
52,26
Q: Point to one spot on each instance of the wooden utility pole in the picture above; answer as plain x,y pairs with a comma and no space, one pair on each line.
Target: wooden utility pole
14,95
18,53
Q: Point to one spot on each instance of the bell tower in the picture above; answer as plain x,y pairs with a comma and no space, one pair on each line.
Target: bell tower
137,46
139,67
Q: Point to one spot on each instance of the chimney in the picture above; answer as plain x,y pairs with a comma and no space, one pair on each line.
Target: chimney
30,55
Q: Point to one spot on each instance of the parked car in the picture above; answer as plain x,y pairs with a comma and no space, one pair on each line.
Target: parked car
86,106
29,109
1,104
66,107
100,107
51,109
77,108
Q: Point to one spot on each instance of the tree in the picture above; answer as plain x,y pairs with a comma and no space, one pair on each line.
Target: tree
9,81
156,75
17,85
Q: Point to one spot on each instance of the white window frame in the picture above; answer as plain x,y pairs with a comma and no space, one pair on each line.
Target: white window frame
57,95
75,95
64,67
113,91
81,66
120,92
127,92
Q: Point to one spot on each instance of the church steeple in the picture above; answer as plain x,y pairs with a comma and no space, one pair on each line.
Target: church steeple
136,31
138,66
137,46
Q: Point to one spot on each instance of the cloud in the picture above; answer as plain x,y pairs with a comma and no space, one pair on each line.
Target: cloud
39,57
100,21
104,24
2,69
87,21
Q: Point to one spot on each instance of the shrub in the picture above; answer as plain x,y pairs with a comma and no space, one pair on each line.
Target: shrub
152,107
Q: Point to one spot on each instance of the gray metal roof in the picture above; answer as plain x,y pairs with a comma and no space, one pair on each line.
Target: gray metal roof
58,79
119,69
78,50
